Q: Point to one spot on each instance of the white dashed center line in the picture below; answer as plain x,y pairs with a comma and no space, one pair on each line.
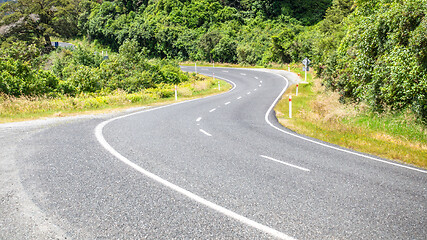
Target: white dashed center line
284,163
255,89
198,119
239,97
256,77
249,93
212,110
226,103
243,74
259,85
204,132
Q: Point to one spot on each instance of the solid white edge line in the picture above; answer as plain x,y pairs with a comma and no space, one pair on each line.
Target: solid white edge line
192,196
285,163
206,133
198,119
325,145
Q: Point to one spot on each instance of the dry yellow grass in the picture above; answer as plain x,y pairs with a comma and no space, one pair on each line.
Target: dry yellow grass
184,91
202,85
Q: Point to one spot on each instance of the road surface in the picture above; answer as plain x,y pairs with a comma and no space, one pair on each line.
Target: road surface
220,167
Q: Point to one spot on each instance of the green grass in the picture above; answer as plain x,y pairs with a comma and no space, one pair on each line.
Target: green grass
318,114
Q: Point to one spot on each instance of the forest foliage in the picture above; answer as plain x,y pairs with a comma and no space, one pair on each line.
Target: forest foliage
369,51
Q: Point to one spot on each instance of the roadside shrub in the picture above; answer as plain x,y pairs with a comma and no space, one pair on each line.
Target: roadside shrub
18,78
381,61
84,56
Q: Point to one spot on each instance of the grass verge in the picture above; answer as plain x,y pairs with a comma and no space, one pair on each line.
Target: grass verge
317,113
29,108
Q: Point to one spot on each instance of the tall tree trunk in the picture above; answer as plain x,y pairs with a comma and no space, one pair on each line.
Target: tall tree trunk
48,43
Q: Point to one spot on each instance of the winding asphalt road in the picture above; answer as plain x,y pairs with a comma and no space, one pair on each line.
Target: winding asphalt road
220,167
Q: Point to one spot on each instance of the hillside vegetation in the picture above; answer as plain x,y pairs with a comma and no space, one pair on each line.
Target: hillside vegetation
371,52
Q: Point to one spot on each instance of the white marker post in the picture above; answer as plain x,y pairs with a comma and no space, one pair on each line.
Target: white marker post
289,68
297,91
305,74
306,68
176,94
290,106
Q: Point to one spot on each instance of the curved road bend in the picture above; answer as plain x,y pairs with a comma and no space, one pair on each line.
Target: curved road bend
213,168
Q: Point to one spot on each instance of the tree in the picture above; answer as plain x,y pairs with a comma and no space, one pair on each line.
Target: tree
208,42
37,21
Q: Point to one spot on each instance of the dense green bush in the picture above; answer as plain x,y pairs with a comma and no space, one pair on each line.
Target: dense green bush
127,70
19,78
382,58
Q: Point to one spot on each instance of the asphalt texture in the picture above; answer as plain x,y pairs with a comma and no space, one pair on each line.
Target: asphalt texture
60,181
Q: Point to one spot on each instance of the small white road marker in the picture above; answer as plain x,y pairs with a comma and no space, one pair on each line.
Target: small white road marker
227,103
204,132
239,97
284,163
213,109
198,119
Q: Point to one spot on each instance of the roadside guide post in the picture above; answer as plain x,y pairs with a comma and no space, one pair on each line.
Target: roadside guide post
297,91
290,106
306,67
219,86
176,94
